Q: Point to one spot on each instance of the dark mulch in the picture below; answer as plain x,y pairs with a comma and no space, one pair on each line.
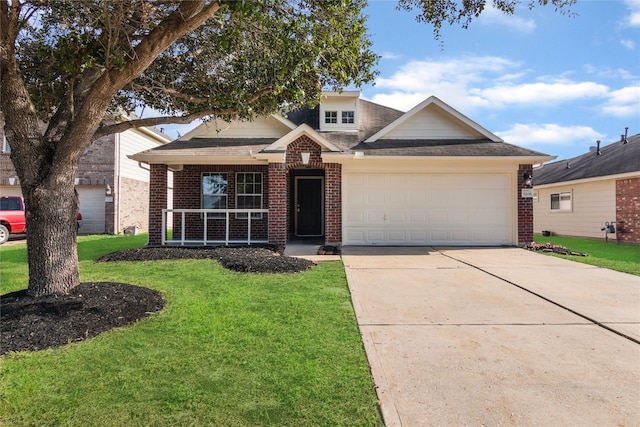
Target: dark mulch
36,323
245,259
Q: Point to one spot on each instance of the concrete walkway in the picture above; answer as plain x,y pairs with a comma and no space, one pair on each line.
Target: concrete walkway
500,336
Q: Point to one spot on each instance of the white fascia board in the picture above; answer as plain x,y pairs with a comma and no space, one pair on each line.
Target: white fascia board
288,123
301,130
247,159
436,101
587,180
363,157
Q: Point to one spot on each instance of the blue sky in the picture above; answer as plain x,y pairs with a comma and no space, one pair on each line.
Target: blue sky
539,79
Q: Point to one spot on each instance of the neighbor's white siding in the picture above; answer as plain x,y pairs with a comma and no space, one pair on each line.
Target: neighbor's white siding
593,204
131,142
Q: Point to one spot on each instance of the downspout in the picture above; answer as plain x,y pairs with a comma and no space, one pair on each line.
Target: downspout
118,185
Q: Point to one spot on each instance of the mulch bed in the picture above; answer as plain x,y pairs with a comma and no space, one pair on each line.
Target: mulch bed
550,247
36,323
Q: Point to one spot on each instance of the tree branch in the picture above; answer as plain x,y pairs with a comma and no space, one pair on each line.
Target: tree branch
178,120
157,87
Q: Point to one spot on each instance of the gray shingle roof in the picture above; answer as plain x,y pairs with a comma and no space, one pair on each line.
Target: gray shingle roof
213,146
616,158
372,118
445,147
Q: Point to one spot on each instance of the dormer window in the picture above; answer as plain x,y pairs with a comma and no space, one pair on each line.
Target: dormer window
339,112
331,117
348,117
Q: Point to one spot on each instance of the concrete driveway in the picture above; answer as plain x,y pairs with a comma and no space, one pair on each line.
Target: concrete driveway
497,336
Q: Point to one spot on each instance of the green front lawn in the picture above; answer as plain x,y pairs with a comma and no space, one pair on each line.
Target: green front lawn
602,254
229,349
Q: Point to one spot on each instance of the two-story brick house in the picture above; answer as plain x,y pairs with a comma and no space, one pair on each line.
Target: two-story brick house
113,189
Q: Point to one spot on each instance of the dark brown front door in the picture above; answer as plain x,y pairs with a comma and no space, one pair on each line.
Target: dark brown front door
309,206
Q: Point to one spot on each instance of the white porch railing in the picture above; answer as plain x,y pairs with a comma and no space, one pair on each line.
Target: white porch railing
174,214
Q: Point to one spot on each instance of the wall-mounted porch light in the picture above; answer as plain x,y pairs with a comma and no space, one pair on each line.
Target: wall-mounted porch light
12,181
527,178
108,190
305,158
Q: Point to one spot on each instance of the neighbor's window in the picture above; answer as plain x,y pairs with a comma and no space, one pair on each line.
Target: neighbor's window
561,201
331,117
249,193
214,193
5,145
348,116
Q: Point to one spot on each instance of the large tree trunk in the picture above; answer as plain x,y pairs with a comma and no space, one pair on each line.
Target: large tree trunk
51,237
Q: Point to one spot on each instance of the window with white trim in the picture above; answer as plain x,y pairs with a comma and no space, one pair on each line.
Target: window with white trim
249,193
561,201
214,193
331,117
348,117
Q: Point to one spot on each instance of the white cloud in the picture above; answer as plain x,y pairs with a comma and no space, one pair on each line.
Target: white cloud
390,55
449,80
624,103
541,93
548,134
606,72
628,44
493,17
634,12
470,83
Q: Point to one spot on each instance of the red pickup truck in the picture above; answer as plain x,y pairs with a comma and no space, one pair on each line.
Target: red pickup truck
12,219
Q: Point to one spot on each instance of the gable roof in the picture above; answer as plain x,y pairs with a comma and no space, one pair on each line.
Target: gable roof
435,103
432,129
615,159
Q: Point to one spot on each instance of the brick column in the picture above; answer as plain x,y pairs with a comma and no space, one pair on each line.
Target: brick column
157,202
333,204
277,204
628,211
525,209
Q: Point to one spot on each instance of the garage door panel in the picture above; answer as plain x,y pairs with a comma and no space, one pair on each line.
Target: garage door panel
433,209
92,208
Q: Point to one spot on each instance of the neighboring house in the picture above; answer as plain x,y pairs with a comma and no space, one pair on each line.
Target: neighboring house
576,197
112,188
348,172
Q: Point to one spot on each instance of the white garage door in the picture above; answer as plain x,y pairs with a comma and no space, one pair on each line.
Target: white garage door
435,209
92,209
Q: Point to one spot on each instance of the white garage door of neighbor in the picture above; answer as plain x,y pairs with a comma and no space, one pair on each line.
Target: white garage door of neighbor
433,209
92,210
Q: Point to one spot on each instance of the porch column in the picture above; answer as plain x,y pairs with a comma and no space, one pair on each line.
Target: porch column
525,209
277,204
157,201
333,204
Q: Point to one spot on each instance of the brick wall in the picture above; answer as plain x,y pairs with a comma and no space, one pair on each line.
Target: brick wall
132,211
187,194
332,183
628,211
157,202
525,208
278,202
333,203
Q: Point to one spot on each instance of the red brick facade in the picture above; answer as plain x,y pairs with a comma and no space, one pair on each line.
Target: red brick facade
628,211
525,208
276,226
157,202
